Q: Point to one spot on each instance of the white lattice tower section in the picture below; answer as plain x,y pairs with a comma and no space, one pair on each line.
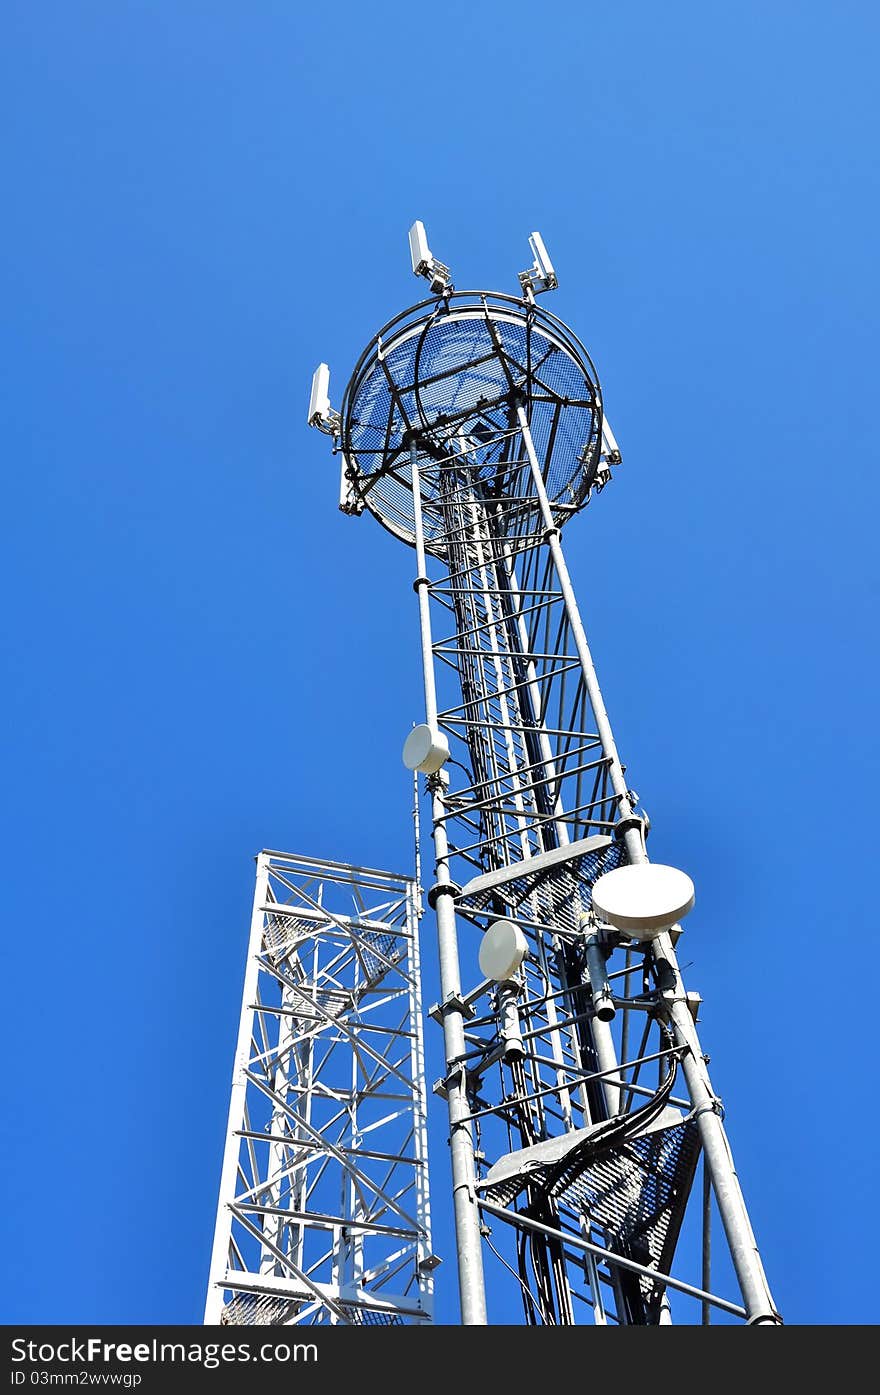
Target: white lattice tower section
324,1212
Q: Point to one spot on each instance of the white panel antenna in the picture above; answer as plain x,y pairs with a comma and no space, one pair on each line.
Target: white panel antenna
321,414
541,275
610,449
424,264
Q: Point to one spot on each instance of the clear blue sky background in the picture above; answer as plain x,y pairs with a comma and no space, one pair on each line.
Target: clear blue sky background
203,657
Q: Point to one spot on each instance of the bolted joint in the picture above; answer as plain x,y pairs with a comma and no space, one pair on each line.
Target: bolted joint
713,1107
455,1077
459,1078
605,936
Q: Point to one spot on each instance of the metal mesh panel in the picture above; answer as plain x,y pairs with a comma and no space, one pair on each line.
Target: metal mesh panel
316,1004
256,1310
452,375
388,946
636,1193
283,932
552,898
262,1310
365,1317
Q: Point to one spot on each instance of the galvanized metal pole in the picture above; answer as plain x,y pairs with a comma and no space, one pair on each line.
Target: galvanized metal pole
472,1290
706,1277
418,1068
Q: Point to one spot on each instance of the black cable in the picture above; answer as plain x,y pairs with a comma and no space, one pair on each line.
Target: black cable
617,1131
527,1293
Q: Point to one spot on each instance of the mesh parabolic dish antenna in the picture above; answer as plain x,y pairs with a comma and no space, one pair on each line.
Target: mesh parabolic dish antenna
643,898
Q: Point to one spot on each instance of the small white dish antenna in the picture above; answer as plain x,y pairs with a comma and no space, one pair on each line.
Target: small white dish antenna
425,749
643,898
502,950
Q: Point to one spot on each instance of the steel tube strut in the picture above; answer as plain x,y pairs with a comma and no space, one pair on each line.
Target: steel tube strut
519,1219
707,1240
472,1289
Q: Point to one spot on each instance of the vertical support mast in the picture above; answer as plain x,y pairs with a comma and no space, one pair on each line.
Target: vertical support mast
472,1291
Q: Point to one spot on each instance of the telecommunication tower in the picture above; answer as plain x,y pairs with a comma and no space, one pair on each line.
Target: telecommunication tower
578,1095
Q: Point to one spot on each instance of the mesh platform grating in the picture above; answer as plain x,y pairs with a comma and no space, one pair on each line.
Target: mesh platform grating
378,950
262,1310
281,932
257,1310
364,1317
451,376
552,898
636,1194
388,946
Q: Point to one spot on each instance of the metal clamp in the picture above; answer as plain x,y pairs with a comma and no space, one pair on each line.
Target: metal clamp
442,889
453,1002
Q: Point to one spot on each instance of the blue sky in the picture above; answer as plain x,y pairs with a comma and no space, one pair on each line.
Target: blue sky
203,657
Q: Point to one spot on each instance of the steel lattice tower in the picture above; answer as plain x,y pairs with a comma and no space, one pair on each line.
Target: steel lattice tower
324,1214
473,429
578,1095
